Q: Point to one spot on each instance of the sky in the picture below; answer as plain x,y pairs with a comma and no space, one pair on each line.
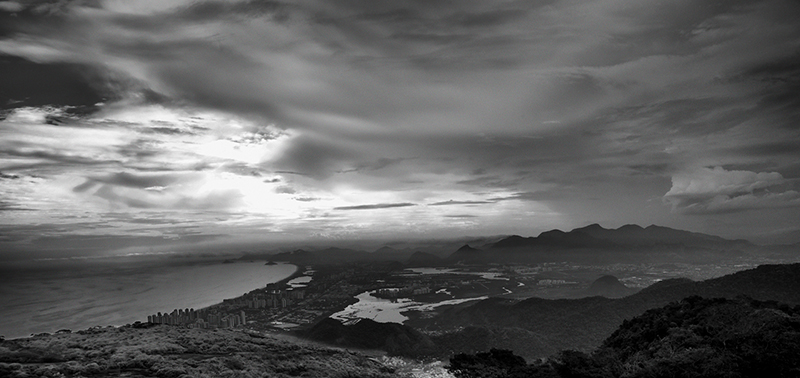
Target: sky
158,125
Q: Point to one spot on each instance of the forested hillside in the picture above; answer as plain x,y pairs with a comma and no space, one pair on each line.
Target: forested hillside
695,337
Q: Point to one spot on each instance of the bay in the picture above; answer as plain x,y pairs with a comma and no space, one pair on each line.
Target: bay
76,295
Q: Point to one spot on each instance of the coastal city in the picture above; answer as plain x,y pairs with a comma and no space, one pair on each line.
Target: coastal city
295,301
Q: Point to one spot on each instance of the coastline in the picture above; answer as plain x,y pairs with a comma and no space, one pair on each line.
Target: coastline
112,316
298,272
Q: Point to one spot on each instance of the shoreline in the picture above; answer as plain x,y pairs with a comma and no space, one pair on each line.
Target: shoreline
299,270
297,273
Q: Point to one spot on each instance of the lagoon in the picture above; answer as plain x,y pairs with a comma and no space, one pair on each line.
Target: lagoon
389,310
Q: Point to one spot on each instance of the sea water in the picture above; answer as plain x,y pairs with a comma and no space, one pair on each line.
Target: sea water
78,295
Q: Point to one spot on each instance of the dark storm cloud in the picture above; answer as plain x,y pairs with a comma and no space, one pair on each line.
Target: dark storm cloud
11,206
490,181
375,165
285,190
26,83
134,180
108,193
220,200
214,10
242,169
375,206
532,196
767,149
140,148
53,158
8,177
167,130
485,19
651,169
149,221
314,157
452,202
306,199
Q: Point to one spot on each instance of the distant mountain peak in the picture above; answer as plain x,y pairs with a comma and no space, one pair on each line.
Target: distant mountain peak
607,279
385,249
467,253
552,233
609,286
591,227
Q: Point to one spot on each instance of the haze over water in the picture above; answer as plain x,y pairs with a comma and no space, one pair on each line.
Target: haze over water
77,295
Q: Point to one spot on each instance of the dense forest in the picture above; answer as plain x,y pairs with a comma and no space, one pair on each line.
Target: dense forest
694,337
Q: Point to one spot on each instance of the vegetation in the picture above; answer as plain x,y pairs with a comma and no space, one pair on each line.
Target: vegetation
535,327
695,337
396,339
171,352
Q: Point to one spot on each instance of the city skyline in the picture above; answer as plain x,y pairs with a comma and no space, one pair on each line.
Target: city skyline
159,126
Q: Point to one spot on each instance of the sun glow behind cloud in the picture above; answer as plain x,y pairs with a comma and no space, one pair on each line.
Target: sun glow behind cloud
121,170
219,120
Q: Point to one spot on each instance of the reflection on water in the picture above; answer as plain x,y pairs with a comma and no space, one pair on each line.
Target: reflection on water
299,281
389,310
485,275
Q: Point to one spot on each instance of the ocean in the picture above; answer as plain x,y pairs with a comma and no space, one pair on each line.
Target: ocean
75,295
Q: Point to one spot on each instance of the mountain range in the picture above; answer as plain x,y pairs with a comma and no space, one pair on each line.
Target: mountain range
595,244
590,244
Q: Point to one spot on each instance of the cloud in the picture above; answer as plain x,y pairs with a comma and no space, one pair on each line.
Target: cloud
138,180
375,206
306,199
452,202
11,6
8,177
144,192
543,195
375,165
11,206
556,110
214,10
285,190
313,156
76,87
716,190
